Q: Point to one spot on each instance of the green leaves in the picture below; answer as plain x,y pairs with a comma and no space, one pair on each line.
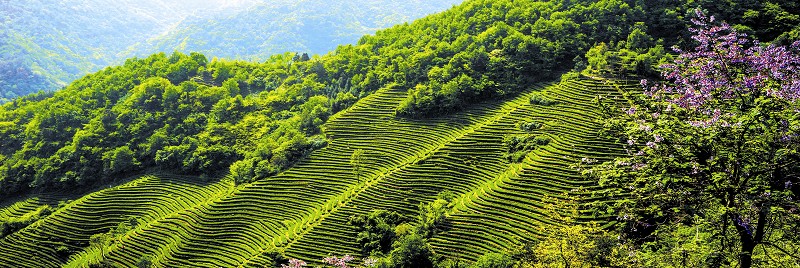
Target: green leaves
714,137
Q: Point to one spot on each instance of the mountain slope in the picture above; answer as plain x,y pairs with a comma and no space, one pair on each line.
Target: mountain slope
304,210
45,44
313,27
260,159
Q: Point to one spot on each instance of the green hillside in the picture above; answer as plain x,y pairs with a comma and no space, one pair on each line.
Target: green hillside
475,137
47,44
304,210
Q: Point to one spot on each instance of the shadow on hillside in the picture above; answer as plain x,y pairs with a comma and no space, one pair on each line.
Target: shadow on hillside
54,197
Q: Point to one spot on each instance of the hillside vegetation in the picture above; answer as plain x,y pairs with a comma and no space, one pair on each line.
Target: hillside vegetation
157,112
446,141
304,211
47,44
181,112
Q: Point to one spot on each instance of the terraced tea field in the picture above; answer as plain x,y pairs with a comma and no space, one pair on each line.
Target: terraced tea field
304,210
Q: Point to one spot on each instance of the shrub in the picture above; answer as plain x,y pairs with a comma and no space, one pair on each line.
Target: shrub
376,230
518,146
412,251
529,126
538,99
144,262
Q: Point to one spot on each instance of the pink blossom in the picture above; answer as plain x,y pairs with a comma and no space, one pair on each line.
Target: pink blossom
338,262
369,262
773,70
638,166
657,138
294,263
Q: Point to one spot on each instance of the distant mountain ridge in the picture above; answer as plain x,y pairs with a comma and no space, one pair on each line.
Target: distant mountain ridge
278,26
46,44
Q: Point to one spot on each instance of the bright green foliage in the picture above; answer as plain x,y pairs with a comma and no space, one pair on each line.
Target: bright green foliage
501,50
432,218
411,251
259,118
518,146
569,246
9,225
538,99
494,260
376,230
178,112
119,160
606,60
573,244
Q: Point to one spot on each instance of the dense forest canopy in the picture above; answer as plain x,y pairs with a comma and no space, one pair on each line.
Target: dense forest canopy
188,114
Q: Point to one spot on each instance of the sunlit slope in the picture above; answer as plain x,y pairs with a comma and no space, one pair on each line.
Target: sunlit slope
512,208
48,242
499,203
274,213
304,211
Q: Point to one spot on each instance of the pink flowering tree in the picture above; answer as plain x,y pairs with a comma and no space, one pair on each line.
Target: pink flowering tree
717,138
333,261
294,263
338,262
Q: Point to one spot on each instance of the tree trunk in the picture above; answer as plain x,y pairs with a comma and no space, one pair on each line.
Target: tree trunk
748,237
746,257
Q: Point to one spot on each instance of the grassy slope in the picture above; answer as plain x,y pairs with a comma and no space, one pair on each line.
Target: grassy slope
304,210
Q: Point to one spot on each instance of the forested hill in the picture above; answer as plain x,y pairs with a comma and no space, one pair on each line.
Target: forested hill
457,123
185,113
308,26
46,44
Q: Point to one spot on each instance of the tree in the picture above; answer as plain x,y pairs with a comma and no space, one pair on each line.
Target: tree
376,230
432,217
101,241
357,160
718,139
119,160
144,262
412,251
